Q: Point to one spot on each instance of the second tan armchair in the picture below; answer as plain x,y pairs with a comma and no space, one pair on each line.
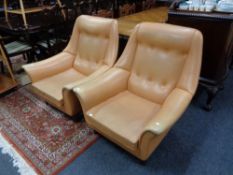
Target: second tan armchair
136,103
91,51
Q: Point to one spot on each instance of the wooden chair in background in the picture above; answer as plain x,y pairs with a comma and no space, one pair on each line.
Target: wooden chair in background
12,49
148,4
104,9
6,82
126,7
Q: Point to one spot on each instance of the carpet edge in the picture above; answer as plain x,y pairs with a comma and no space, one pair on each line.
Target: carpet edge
22,167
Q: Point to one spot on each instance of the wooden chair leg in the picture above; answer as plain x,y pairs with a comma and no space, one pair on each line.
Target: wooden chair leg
2,67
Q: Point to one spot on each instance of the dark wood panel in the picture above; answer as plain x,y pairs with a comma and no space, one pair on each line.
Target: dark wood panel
217,30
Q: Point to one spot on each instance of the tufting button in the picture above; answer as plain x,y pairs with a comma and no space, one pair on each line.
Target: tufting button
164,82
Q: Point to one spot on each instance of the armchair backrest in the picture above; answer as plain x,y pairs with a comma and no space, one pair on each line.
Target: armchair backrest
94,42
160,58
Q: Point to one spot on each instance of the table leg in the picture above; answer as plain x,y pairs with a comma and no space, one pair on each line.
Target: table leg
23,13
6,62
60,5
6,10
211,91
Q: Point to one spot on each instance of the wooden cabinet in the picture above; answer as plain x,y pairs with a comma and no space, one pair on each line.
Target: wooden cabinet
217,30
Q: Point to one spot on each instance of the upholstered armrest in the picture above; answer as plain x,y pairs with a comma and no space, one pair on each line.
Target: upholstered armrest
49,67
170,112
95,74
101,88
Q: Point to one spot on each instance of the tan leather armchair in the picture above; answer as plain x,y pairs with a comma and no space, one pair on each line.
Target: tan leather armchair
136,102
91,51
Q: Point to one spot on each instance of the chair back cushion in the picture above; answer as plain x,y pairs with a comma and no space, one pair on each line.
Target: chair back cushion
160,58
94,42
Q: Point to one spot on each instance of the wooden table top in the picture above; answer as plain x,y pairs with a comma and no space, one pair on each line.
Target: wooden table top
127,23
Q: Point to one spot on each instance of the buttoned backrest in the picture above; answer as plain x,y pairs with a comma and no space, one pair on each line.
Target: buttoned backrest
161,57
94,42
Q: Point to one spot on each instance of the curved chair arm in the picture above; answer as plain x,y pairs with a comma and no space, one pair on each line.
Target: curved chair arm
172,109
158,127
49,67
95,74
71,102
103,87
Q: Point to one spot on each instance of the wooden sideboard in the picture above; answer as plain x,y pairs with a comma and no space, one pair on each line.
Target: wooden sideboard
217,30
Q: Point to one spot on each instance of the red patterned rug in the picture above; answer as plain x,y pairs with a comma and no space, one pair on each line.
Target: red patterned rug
46,139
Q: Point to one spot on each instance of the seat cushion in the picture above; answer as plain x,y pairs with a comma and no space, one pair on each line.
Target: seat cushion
51,87
123,117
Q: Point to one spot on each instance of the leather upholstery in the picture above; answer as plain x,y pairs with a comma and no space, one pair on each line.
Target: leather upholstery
91,51
136,102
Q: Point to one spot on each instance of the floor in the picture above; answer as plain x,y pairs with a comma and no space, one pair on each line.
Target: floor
200,143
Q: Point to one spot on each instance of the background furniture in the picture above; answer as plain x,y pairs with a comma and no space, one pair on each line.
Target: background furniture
91,51
23,11
217,29
104,8
127,7
6,82
43,29
54,36
148,4
14,48
135,103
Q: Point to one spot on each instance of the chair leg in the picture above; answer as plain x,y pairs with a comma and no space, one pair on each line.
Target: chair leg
2,67
25,57
31,56
10,63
